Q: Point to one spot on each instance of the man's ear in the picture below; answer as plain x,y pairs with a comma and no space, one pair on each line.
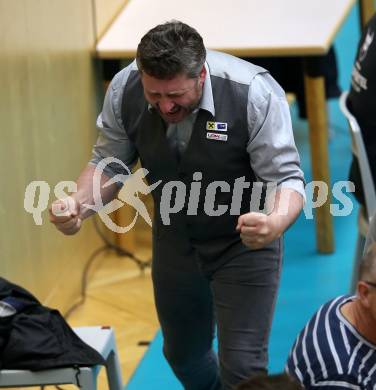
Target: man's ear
202,75
363,291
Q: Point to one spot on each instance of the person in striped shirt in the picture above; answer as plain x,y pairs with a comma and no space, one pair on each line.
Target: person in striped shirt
337,347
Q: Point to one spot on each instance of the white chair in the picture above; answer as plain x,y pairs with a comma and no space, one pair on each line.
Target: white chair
364,216
101,339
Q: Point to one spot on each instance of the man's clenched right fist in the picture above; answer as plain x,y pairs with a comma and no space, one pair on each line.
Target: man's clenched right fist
65,215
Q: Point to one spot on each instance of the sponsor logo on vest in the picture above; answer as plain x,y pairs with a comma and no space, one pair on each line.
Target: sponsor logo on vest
216,126
216,137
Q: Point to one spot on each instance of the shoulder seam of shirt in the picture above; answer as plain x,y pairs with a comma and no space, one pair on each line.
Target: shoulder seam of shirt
120,80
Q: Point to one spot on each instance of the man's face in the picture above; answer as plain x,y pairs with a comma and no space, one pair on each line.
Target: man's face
176,98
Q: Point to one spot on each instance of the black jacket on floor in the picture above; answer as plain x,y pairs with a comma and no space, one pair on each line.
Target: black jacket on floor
36,337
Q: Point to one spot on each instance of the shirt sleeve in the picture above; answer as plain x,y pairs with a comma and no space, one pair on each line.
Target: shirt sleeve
112,140
271,146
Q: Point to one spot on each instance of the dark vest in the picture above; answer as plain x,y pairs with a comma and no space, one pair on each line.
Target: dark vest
223,161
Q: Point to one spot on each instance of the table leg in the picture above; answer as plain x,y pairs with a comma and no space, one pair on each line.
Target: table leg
318,134
366,10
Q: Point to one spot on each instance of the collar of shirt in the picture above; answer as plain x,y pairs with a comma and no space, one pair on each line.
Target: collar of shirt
207,101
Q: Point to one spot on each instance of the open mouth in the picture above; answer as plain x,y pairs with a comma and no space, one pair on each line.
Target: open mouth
173,115
175,110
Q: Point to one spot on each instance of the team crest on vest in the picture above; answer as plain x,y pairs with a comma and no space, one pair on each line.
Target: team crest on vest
216,126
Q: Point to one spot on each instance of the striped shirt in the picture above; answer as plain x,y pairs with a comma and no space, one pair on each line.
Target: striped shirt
329,352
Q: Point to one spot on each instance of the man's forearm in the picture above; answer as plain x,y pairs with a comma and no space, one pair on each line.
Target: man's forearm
85,193
287,207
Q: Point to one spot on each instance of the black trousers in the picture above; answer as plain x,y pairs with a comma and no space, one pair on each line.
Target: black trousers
237,300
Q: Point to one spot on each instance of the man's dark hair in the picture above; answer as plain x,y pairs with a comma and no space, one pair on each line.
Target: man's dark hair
171,49
270,382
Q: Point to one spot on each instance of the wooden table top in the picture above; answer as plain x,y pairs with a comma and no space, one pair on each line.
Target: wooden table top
240,27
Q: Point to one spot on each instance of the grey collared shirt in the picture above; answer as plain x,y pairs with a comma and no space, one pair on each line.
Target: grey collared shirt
271,147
